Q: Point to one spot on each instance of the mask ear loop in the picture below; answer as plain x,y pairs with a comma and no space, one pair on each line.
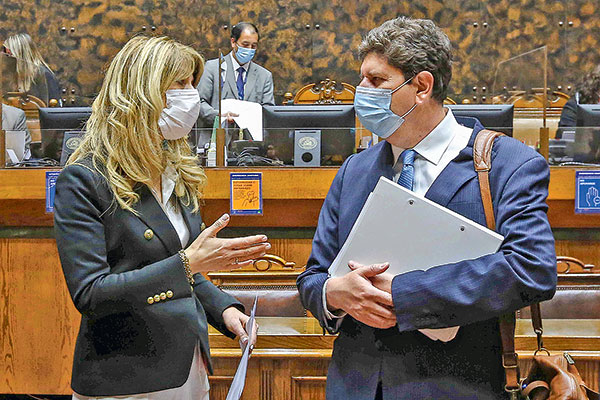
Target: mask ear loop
402,84
415,105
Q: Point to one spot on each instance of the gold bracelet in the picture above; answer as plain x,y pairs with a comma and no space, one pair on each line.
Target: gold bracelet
186,266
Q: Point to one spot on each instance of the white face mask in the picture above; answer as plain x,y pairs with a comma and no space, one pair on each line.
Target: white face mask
178,119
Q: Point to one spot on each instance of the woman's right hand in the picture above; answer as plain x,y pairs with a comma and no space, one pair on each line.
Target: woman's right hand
210,253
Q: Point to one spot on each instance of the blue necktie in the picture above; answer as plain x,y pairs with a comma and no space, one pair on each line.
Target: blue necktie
240,82
408,169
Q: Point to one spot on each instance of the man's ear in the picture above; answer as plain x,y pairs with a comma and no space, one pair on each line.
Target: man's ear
424,81
232,43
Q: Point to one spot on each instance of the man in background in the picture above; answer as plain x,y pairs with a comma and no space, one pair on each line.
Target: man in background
241,78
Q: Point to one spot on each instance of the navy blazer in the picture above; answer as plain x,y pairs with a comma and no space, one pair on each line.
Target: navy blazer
470,294
114,263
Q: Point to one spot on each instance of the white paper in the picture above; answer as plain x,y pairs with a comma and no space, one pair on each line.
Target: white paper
239,379
15,141
411,233
249,115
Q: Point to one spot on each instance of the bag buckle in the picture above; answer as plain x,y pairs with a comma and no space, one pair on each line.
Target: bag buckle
510,360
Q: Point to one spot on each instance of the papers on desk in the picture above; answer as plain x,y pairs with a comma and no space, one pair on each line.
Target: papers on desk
239,379
249,115
411,233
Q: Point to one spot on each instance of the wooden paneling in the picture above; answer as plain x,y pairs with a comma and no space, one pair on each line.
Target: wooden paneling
37,318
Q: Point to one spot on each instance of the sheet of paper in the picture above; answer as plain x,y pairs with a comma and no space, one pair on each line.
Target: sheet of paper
249,115
239,379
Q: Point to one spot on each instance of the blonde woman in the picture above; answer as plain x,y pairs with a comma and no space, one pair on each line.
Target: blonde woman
33,74
130,239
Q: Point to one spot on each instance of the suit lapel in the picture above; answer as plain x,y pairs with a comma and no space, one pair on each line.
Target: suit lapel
230,77
250,81
152,214
454,176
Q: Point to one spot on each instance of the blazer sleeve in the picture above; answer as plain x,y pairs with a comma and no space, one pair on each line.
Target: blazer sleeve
206,90
215,301
80,238
522,272
268,97
324,250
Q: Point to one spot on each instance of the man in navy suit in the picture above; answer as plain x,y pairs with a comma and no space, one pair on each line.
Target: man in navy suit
426,334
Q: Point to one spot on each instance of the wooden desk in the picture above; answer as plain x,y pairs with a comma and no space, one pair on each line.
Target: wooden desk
38,323
291,355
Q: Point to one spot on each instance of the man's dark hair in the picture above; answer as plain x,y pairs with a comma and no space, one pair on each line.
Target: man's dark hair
240,27
412,46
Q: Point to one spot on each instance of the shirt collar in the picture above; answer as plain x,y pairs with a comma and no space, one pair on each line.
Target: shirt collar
433,146
169,177
236,64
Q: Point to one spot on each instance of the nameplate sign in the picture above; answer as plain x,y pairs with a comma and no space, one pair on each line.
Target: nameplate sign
587,192
245,195
51,177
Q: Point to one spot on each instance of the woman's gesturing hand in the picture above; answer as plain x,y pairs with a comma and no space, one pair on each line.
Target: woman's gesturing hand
210,253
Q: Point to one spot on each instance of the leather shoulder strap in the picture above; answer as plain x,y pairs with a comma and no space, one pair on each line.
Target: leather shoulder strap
482,159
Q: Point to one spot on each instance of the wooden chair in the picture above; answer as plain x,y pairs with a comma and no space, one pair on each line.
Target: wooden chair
326,92
577,293
272,279
31,105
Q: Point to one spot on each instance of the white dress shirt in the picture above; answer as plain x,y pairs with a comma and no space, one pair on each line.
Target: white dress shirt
196,387
236,66
434,153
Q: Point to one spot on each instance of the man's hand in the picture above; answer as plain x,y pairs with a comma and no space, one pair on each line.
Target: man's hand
355,294
381,281
230,115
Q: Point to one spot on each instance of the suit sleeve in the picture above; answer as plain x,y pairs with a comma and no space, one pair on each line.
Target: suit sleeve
522,272
324,250
206,89
215,301
80,239
268,97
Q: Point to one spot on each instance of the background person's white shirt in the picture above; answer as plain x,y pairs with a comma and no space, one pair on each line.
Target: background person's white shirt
236,66
434,153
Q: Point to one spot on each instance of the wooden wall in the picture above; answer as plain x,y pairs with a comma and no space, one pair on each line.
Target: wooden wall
308,40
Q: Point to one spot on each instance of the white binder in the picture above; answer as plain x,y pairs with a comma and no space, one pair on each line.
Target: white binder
411,232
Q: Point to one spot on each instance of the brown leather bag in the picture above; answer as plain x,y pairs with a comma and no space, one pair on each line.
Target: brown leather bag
550,377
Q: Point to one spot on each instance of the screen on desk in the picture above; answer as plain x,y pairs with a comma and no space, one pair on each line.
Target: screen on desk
586,140
336,122
497,117
55,121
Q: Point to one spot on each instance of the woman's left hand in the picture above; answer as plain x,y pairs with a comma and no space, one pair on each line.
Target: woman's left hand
235,321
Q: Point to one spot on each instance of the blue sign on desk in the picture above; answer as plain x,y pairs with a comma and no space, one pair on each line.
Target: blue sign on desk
587,192
51,177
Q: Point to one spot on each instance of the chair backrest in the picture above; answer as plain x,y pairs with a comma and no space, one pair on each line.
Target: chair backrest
577,292
326,92
271,279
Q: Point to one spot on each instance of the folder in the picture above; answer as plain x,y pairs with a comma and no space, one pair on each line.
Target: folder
411,232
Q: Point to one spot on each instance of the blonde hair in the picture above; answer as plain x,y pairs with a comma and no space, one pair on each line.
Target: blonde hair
122,134
29,60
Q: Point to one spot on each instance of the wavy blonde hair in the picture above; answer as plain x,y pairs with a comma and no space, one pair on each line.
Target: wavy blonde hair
29,59
123,136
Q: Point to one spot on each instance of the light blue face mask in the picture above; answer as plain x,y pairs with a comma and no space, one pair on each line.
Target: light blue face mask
244,54
373,109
